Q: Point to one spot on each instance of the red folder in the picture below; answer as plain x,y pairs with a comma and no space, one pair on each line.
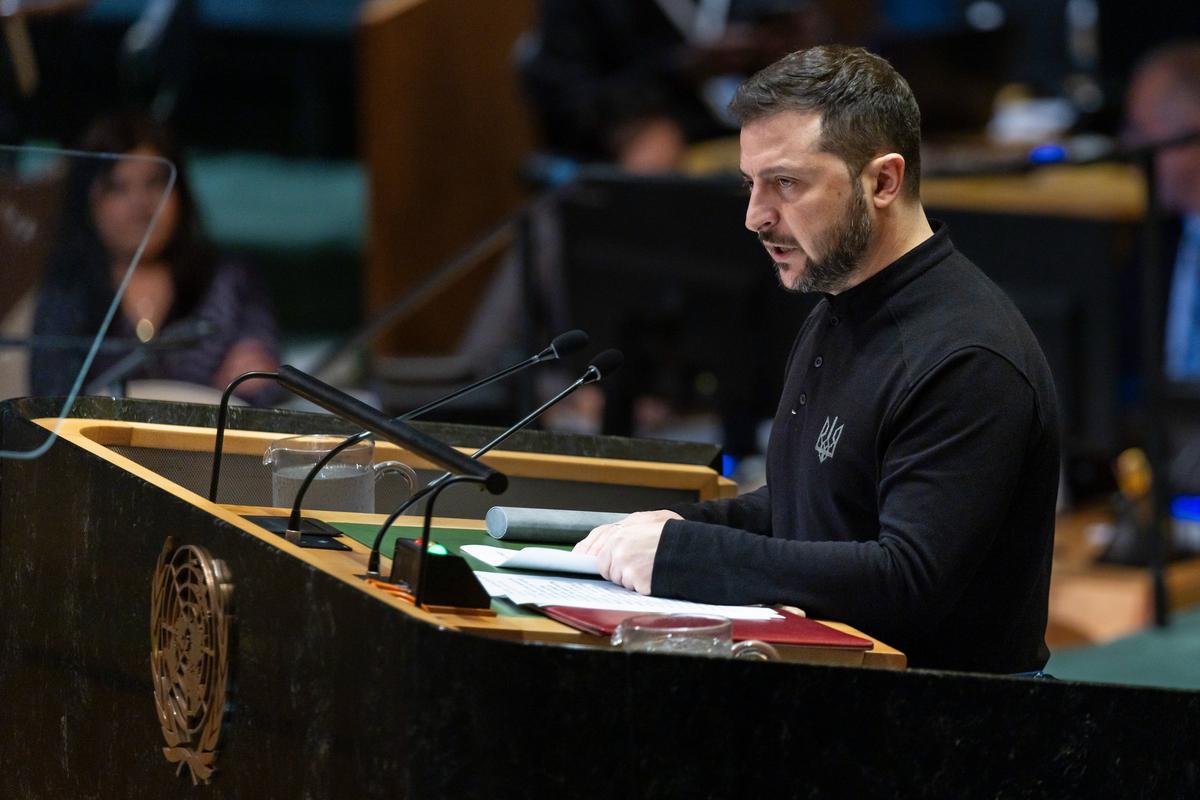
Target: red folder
791,629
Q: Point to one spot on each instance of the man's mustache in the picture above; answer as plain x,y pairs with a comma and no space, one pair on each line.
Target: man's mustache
767,239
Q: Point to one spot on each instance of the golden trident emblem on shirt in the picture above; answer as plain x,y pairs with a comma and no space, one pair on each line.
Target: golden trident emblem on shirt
827,442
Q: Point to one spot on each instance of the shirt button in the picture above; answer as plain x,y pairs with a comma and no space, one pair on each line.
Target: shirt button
818,361
834,321
803,398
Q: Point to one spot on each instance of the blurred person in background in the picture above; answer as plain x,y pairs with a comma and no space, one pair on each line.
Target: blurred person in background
1164,103
181,279
635,82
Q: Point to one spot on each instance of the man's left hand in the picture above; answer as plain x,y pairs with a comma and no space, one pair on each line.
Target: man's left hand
625,550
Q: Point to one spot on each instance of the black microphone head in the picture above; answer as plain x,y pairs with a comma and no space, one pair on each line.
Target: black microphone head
604,364
567,343
496,482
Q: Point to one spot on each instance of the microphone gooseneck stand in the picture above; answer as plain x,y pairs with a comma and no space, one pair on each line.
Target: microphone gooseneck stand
563,345
354,410
423,570
222,417
603,365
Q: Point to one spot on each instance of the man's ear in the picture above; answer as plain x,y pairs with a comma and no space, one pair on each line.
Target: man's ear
885,179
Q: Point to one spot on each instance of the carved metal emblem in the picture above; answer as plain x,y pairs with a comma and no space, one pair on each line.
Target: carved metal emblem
189,654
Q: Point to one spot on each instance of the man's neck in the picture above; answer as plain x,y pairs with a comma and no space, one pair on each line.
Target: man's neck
896,233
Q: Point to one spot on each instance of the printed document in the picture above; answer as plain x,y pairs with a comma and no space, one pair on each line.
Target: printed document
543,559
586,593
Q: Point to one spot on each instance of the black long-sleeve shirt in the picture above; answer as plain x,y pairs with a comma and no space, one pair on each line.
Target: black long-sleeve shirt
912,475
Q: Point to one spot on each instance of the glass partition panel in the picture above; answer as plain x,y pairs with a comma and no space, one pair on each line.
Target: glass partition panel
73,228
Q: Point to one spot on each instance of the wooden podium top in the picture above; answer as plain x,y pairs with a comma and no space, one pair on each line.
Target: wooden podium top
98,437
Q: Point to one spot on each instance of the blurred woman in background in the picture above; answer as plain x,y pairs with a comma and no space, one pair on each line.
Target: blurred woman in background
181,286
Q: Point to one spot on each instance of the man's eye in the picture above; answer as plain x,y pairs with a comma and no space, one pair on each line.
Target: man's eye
785,183
747,185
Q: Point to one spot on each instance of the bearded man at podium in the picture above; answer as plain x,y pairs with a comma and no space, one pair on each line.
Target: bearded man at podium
913,466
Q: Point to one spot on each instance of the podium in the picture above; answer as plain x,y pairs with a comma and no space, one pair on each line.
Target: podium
330,688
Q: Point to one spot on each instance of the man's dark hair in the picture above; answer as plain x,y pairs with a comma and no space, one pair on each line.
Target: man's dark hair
866,108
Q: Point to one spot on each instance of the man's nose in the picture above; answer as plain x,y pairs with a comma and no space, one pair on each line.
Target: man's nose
760,216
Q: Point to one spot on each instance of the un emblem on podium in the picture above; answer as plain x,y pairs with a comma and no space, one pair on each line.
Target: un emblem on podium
189,654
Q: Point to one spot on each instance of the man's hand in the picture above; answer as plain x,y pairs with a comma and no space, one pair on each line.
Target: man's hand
625,550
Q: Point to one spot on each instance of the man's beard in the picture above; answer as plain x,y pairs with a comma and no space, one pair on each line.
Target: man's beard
843,248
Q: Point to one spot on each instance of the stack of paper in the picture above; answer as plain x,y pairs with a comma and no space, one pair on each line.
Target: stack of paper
585,593
544,559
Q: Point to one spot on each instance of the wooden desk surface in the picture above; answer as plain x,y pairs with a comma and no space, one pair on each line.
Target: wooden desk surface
349,566
1113,192
1093,602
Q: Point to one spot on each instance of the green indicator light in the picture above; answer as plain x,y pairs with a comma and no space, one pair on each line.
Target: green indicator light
436,549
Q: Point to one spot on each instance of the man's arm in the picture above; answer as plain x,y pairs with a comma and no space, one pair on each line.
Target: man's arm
948,475
748,512
625,550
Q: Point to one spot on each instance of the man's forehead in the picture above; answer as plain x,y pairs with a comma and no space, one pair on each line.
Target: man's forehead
788,137
802,127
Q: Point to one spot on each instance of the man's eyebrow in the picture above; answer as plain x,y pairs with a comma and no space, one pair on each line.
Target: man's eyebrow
782,169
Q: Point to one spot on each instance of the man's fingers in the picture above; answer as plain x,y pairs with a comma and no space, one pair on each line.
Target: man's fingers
604,562
661,515
591,543
622,571
617,547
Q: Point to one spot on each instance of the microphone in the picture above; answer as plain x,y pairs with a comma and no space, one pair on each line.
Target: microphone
562,345
603,365
395,431
374,421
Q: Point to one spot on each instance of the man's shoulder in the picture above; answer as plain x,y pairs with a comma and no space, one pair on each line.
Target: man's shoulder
956,307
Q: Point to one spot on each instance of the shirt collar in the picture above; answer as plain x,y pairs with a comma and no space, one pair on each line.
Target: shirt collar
872,293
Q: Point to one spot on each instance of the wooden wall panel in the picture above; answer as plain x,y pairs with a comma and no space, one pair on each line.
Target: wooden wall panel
444,133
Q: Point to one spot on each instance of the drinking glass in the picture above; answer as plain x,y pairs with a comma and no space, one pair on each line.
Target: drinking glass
688,634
